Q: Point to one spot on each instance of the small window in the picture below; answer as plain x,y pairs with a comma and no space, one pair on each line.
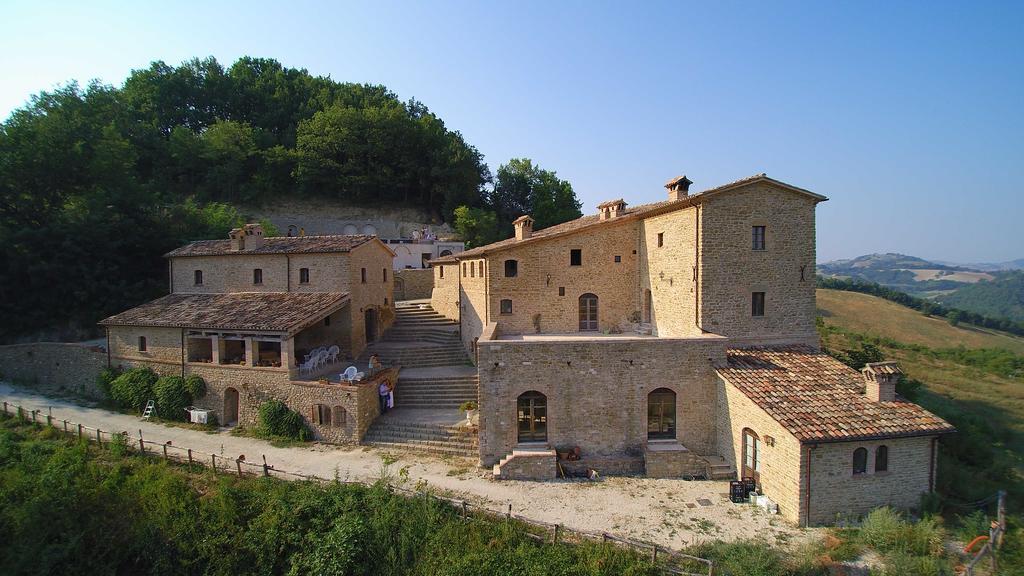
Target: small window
440,271
142,343
384,273
322,414
506,306
661,239
385,300
362,275
618,259
511,268
882,459
340,417
757,304
472,269
198,276
303,275
758,238
327,321
463,269
561,290
257,276
576,257
860,461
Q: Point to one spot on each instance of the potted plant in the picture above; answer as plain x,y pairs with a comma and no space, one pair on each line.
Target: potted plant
471,410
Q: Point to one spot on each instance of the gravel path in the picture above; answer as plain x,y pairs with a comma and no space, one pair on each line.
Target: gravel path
673,513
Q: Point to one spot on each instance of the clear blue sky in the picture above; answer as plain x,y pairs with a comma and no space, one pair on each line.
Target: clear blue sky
908,116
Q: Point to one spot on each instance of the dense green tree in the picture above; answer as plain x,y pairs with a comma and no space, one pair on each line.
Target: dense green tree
521,187
477,226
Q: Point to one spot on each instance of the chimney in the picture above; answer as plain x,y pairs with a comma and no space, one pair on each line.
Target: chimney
523,226
611,209
253,235
880,381
678,187
237,236
249,236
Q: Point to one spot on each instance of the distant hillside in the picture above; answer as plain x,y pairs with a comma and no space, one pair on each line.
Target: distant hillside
906,273
1003,296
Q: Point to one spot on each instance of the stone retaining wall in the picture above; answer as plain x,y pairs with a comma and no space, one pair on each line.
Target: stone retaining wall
414,283
54,367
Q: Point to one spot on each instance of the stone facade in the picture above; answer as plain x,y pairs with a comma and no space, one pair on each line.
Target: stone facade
672,460
597,391
54,367
444,297
414,284
528,465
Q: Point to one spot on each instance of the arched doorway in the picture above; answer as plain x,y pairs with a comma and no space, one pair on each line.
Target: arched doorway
751,455
370,317
532,415
588,313
661,415
230,407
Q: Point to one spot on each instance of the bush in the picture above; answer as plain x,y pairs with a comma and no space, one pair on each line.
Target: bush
133,388
105,378
195,386
886,530
171,397
276,419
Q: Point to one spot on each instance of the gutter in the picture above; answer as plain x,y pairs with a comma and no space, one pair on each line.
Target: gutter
807,495
182,352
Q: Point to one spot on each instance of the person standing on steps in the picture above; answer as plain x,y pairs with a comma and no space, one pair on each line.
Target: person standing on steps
375,365
384,393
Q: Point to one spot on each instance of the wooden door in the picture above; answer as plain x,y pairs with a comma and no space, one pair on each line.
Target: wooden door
751,455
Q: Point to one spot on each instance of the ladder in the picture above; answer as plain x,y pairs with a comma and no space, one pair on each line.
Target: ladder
149,410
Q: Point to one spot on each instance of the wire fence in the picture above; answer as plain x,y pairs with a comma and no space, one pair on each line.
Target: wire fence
670,561
994,540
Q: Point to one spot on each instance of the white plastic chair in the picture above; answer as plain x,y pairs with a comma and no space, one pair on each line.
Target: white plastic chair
332,353
349,374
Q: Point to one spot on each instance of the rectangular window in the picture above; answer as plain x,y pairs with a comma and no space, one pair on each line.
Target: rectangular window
303,275
511,268
661,239
327,321
198,277
576,257
257,276
384,273
758,237
440,271
463,269
472,269
561,290
142,343
506,306
362,275
618,259
385,300
322,414
757,304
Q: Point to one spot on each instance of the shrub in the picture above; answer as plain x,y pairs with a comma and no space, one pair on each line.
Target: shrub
133,388
195,386
468,405
276,419
105,378
172,397
886,530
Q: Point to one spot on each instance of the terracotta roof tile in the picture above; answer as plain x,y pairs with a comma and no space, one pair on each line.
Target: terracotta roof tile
275,245
818,398
272,311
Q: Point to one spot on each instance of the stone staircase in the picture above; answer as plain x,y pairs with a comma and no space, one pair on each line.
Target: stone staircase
719,469
436,388
400,430
419,338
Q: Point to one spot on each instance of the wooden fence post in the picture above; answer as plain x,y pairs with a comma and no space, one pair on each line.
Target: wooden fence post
79,431
509,515
266,469
190,459
165,451
213,458
654,553
49,419
463,509
5,408
34,412
65,426
99,439
238,463
142,443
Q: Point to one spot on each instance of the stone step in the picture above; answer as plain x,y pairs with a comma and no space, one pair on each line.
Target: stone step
465,453
429,403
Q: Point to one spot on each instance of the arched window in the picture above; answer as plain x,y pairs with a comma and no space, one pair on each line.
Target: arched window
588,313
445,253
197,277
511,268
860,461
882,459
340,416
532,416
350,229
661,414
369,229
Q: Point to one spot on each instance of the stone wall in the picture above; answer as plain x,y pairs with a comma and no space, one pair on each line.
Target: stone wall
543,273
54,367
668,272
163,348
730,270
672,460
414,284
444,298
473,302
377,293
837,493
528,465
596,389
782,474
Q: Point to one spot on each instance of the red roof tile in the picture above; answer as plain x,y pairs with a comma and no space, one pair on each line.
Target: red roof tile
275,245
819,399
271,311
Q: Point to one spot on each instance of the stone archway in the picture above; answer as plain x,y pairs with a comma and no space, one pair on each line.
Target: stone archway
230,407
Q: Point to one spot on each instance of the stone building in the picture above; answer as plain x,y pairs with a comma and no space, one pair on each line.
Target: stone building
243,313
678,338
